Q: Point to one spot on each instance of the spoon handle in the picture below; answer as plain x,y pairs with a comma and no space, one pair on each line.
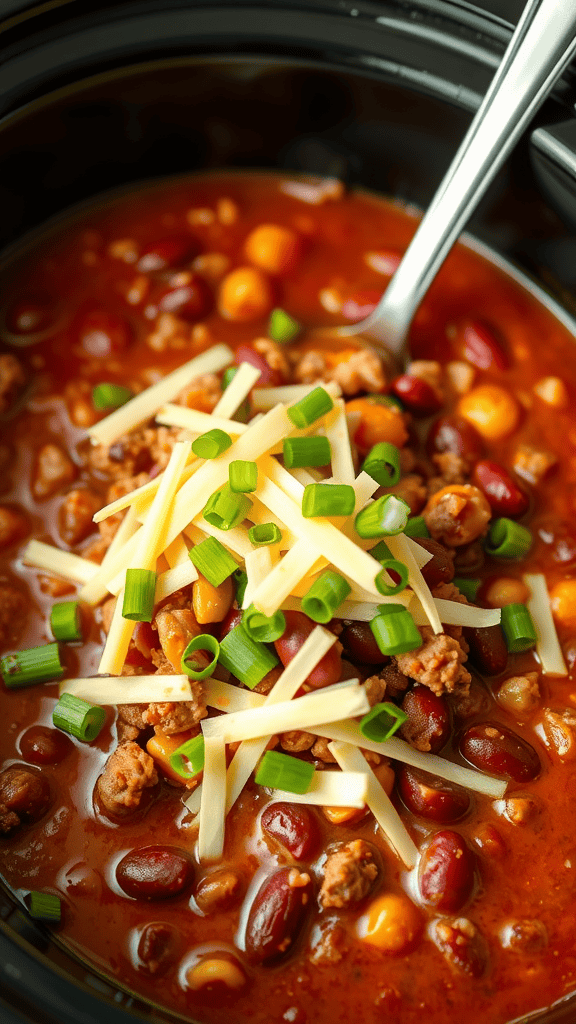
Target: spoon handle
540,49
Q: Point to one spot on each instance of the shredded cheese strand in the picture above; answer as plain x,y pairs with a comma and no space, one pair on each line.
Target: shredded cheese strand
62,563
238,390
548,646
129,689
197,422
401,550
337,433
330,789
212,801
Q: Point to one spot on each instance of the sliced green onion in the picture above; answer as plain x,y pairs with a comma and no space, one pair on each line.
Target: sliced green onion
282,327
213,561
328,500
389,400
211,444
281,771
416,527
310,408
469,588
225,510
383,586
240,584
242,414
245,658
78,717
382,721
386,516
394,630
139,594
325,596
264,533
383,464
192,666
44,906
508,539
188,759
34,665
518,628
66,621
306,451
110,396
242,476
264,628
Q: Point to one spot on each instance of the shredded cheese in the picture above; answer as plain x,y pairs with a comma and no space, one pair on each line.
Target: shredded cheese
339,438
212,801
129,689
141,497
454,613
266,398
176,552
400,549
258,564
238,389
548,646
62,563
330,789
125,531
226,697
169,582
197,422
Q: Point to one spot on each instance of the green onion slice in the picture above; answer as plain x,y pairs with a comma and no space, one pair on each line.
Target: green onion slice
416,527
328,500
382,721
44,906
310,408
508,539
386,516
110,396
282,327
188,759
211,444
325,595
78,717
242,476
394,630
225,510
245,658
192,666
383,586
139,595
300,452
264,533
213,560
264,628
383,464
518,628
469,588
66,621
281,771
34,665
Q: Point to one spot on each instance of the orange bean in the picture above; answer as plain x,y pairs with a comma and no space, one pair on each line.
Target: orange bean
506,590
273,248
378,423
245,294
392,924
491,409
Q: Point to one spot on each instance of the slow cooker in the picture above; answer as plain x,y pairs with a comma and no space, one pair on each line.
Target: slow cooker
96,94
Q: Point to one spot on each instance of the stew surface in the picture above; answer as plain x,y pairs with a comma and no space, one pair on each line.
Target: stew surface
310,915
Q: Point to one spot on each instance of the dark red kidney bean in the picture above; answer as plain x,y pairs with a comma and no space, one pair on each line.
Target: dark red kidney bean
230,621
503,493
440,568
469,705
145,639
298,629
462,944
293,826
488,651
431,797
358,641
446,873
42,745
218,891
360,305
155,873
277,914
30,315
190,301
480,344
495,749
26,793
428,723
156,947
103,334
456,435
490,842
268,377
417,395
167,252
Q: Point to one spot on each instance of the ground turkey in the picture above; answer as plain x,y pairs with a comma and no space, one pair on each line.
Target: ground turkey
438,663
349,874
128,772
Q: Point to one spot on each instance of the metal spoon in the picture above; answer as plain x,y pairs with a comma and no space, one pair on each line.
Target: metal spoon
541,47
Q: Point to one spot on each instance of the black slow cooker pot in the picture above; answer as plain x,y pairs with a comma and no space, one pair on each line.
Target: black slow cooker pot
95,94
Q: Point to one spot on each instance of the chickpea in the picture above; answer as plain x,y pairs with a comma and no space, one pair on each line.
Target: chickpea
520,695
563,603
392,924
245,294
216,970
377,423
491,409
506,591
273,248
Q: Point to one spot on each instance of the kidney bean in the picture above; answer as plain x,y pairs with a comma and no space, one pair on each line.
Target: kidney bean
440,568
155,873
454,434
495,749
490,842
167,252
298,629
503,493
360,305
462,944
488,651
277,914
219,890
293,826
428,723
191,301
42,745
417,395
26,793
479,343
102,334
446,873
230,621
358,641
156,947
431,797
469,705
268,376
